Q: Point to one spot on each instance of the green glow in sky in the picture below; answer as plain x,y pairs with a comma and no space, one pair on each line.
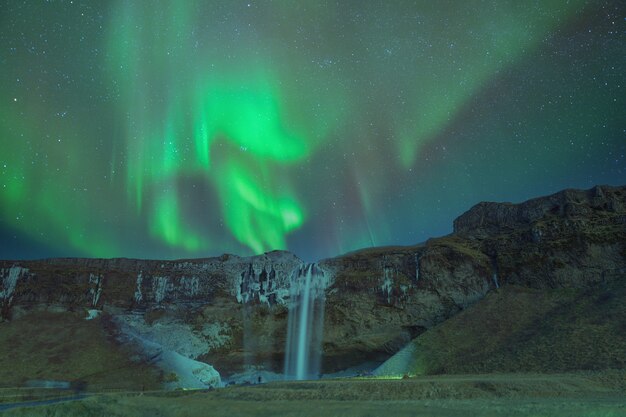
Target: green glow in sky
236,106
193,128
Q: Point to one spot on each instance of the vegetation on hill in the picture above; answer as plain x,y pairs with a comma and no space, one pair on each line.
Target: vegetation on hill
520,329
66,347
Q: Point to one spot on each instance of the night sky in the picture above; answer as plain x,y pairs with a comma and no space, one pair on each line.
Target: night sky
181,128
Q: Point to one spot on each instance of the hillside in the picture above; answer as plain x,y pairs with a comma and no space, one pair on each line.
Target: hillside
540,264
519,329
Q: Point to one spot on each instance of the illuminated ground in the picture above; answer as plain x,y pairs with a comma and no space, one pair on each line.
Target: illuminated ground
589,394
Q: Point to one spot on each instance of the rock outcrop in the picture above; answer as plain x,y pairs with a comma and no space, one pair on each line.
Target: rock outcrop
572,238
141,284
231,311
575,205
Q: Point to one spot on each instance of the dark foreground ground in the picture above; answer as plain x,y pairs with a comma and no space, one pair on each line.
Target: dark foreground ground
580,394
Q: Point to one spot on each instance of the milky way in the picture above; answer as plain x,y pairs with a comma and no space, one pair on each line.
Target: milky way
175,129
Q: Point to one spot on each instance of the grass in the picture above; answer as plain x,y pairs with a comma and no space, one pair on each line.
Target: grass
517,329
64,346
461,245
574,395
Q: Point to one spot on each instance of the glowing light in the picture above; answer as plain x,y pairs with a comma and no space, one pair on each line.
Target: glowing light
193,128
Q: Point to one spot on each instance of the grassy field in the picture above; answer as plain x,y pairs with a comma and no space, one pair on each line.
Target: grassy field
518,329
571,395
64,346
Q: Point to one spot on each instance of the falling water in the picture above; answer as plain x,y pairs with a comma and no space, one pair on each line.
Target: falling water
417,267
494,267
495,280
306,323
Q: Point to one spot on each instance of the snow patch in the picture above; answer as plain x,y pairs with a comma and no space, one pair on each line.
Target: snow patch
180,337
138,294
160,287
187,372
387,286
262,282
9,281
263,278
204,372
96,288
92,314
190,285
216,334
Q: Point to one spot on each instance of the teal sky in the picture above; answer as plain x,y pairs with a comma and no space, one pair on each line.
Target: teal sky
176,129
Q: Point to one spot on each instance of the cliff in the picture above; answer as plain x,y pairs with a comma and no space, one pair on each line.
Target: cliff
140,284
575,205
569,239
232,311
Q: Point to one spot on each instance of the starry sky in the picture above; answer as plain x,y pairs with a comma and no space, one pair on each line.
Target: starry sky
178,129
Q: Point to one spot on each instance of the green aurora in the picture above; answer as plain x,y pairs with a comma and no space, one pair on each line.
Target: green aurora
175,129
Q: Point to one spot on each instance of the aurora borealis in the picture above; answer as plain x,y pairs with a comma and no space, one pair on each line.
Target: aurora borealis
173,129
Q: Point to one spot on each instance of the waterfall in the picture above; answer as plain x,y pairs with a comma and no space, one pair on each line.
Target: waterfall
494,267
95,290
417,267
387,286
306,323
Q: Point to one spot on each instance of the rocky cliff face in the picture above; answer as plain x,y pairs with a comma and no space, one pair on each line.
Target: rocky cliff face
382,298
225,309
232,311
571,238
140,284
495,218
